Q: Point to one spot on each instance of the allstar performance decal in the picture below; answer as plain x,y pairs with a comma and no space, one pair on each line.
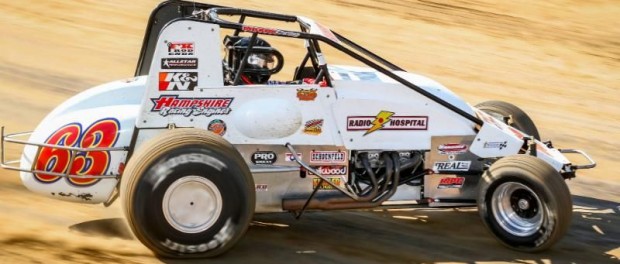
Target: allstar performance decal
386,120
193,106
179,64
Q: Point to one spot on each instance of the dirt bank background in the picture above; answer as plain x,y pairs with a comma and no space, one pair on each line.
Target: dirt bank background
559,60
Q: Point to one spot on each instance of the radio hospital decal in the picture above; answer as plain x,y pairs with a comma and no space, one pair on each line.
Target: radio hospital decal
191,106
386,120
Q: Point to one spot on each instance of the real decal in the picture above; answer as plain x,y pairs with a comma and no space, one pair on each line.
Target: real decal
452,149
451,182
167,105
178,81
314,127
264,157
217,126
306,94
328,157
386,120
181,48
453,165
179,64
326,186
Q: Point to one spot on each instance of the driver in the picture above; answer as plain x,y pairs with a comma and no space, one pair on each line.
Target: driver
262,62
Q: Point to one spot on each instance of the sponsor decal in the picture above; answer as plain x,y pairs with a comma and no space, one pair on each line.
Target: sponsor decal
191,106
496,145
179,64
269,31
326,186
330,170
102,133
178,81
452,149
261,187
217,126
386,120
451,182
314,127
328,157
264,157
453,165
289,156
181,48
306,94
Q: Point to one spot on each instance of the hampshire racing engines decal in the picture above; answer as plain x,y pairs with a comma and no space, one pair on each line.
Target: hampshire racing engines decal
101,134
191,106
386,120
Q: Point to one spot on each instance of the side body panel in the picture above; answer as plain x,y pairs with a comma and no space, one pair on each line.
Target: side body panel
103,116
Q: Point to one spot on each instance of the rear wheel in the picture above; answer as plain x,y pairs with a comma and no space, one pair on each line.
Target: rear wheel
511,115
187,193
525,203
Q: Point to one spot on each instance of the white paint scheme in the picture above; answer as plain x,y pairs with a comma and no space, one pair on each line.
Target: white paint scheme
268,118
494,130
271,115
119,100
206,39
491,136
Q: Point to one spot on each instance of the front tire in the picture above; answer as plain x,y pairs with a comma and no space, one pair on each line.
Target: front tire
525,203
187,193
511,115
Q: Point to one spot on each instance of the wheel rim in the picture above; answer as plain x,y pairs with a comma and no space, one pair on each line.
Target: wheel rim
517,209
192,204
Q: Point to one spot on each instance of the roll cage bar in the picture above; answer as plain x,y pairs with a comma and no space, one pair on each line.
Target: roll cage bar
173,10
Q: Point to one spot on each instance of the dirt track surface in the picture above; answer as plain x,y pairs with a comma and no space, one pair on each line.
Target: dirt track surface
558,60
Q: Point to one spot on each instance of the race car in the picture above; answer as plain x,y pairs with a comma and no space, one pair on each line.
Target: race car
215,127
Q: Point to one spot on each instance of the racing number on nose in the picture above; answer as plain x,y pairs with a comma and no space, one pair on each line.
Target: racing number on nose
101,134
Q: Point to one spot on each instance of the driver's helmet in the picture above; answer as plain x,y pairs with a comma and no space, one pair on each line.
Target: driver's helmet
262,62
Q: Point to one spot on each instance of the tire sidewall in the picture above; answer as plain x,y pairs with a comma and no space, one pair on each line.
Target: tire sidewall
174,164
534,242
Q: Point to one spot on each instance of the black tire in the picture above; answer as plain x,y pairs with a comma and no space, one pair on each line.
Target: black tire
208,189
517,117
547,207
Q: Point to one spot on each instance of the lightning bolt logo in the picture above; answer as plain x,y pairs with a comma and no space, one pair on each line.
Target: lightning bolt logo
382,118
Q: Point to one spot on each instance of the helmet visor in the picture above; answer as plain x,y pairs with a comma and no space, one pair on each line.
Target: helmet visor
261,60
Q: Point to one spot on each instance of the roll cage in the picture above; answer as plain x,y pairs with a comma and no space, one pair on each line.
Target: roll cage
174,10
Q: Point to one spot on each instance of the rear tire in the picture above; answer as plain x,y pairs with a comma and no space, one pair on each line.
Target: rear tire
187,193
517,117
525,203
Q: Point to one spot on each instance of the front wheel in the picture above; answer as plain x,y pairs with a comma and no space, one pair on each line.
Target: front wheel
187,193
511,115
525,203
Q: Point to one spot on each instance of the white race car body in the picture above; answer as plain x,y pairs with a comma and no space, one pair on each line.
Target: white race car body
331,137
364,110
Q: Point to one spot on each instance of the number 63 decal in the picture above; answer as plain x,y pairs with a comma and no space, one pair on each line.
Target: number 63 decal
102,133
